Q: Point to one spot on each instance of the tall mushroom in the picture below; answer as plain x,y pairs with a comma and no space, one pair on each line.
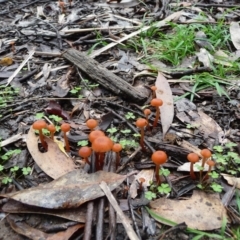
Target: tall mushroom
159,158
65,127
156,102
39,125
141,123
100,146
192,158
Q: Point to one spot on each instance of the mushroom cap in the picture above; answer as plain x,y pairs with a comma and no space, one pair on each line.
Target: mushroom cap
85,152
156,102
39,124
95,134
159,157
206,153
210,163
147,111
154,88
91,123
65,127
142,180
193,157
51,128
102,144
141,122
117,147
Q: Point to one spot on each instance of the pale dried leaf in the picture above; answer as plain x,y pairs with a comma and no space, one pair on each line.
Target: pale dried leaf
235,34
147,175
203,211
53,162
167,109
232,180
68,191
205,57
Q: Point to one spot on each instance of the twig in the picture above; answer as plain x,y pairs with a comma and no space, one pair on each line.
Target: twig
89,220
100,218
79,30
129,230
20,67
180,226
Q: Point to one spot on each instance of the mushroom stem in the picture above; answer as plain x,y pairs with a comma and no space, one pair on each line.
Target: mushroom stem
157,174
142,139
117,159
206,176
101,160
157,117
41,137
192,174
66,142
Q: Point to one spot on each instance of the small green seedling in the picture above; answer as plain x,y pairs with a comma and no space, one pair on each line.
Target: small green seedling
164,188
39,115
1,167
75,90
26,170
126,131
82,143
112,130
6,180
150,195
213,175
130,115
164,172
216,187
14,169
10,153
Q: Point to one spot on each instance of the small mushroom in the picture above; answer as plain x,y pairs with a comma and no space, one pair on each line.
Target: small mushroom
141,123
206,154
159,158
117,148
85,153
95,134
39,125
52,129
65,127
156,103
210,164
91,123
192,158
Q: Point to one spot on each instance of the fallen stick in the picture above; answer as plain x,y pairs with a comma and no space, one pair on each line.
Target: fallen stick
129,230
103,76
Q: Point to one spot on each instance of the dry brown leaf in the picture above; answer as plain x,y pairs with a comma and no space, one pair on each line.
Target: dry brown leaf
54,162
75,214
7,61
235,34
232,180
147,175
167,109
202,211
68,191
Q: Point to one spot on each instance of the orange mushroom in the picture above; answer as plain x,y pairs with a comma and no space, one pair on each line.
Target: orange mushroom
153,88
39,125
206,154
100,146
51,128
158,157
147,112
210,164
192,158
91,123
85,152
95,134
141,123
117,148
156,103
65,127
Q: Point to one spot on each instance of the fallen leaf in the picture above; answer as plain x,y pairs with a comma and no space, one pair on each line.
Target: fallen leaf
232,180
55,109
202,211
235,34
7,61
68,191
74,214
147,175
167,109
53,162
205,57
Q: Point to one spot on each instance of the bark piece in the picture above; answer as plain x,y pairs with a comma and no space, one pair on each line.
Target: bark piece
104,77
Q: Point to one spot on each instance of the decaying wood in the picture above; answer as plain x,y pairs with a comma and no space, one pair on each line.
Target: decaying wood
104,77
